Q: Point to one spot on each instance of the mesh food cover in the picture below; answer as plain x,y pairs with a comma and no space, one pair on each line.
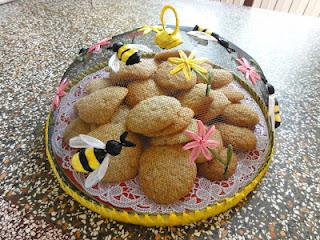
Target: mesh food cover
161,125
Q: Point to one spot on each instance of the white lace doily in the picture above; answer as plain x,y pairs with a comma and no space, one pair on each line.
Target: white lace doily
129,195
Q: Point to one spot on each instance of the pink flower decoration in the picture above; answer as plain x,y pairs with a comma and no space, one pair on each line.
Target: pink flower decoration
201,142
248,70
97,46
59,93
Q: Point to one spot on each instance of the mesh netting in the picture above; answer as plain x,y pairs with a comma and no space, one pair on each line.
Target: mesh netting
104,104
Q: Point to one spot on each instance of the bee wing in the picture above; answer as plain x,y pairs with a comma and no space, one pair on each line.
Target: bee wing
85,141
97,175
201,35
141,47
271,104
114,63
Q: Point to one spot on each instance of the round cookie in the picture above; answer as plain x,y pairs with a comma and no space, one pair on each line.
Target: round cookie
164,55
153,114
173,82
75,128
139,71
97,84
221,77
240,138
196,99
177,138
214,169
240,115
141,90
217,137
98,107
166,174
220,102
182,120
234,95
125,165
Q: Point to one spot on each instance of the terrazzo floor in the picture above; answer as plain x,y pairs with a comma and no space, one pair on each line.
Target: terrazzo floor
39,39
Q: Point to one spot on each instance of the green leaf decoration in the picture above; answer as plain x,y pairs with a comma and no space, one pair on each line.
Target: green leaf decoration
207,80
217,156
229,157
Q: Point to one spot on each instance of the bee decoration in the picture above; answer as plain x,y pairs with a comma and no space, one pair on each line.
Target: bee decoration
208,35
94,155
82,54
165,38
127,53
274,110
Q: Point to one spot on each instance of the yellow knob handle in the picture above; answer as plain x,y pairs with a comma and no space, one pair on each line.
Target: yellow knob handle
165,8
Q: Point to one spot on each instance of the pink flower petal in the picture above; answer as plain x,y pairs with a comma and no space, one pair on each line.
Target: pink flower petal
195,154
245,62
210,132
206,153
201,129
212,143
192,135
193,144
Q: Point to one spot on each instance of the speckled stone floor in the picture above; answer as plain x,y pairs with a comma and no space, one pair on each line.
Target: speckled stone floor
39,39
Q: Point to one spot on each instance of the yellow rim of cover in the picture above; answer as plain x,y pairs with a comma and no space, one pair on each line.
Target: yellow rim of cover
170,219
164,9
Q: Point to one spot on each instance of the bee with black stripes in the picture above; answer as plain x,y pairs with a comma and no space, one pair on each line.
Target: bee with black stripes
127,53
93,157
204,34
274,109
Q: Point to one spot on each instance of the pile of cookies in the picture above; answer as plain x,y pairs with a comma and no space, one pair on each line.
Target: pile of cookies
156,108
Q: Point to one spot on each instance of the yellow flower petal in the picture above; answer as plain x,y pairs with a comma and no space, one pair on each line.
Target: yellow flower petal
199,60
183,55
175,60
177,69
187,72
197,68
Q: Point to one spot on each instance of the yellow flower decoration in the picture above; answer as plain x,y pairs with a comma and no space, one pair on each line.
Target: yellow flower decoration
146,29
187,64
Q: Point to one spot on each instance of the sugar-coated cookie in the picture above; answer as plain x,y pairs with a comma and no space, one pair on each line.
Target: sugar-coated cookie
177,138
240,115
97,84
120,116
173,82
220,102
166,174
125,165
99,106
233,94
164,55
214,169
221,77
239,137
196,99
75,128
181,121
153,114
217,137
135,72
141,90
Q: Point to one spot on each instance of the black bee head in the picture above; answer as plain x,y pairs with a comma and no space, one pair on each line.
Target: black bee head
113,147
83,50
116,46
270,88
